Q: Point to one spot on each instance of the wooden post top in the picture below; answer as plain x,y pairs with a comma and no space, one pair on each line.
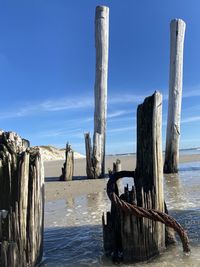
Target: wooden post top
101,12
178,21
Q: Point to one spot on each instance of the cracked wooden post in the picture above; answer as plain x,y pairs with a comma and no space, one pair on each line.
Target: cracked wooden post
95,156
101,77
177,33
149,171
129,237
21,202
68,166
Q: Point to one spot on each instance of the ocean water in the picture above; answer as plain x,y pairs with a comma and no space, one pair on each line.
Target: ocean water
73,230
193,151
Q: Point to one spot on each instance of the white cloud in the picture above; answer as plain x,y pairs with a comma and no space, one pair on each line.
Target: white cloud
189,140
66,103
118,113
48,106
76,132
131,119
82,103
126,98
122,129
191,93
190,119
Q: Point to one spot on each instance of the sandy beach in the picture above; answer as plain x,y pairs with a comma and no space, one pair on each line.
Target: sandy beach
56,190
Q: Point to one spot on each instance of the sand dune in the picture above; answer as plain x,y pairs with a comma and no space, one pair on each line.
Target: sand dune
50,153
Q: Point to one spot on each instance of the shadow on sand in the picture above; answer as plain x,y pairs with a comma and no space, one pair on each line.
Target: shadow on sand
57,179
75,178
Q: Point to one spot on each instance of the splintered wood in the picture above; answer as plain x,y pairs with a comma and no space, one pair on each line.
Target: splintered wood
93,156
125,236
21,202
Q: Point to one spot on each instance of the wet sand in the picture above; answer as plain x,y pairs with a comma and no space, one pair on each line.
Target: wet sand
73,215
55,190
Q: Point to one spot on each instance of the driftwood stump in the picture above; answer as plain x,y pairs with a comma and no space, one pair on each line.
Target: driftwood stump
21,202
117,166
127,236
93,156
68,167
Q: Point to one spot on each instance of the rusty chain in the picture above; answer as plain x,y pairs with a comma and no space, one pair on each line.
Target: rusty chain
133,209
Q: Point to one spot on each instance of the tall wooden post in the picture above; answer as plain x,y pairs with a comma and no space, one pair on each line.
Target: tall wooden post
177,33
100,89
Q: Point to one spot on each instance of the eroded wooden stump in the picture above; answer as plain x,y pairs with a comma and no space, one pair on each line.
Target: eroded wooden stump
117,166
127,236
21,202
68,167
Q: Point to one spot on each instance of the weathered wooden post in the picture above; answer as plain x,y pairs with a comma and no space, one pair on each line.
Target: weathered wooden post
140,239
133,231
149,171
177,33
68,166
100,113
21,202
100,91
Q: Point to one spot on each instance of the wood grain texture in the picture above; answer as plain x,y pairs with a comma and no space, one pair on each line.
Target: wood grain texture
21,202
68,166
177,35
149,170
93,156
125,236
89,157
101,77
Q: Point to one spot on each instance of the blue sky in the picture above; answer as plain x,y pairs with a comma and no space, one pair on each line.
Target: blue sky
47,68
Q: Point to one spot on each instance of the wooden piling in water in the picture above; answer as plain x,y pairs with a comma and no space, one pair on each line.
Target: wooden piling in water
177,34
100,91
21,202
125,236
68,166
149,170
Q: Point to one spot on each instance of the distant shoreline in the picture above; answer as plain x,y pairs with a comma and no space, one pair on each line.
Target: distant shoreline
180,151
56,190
